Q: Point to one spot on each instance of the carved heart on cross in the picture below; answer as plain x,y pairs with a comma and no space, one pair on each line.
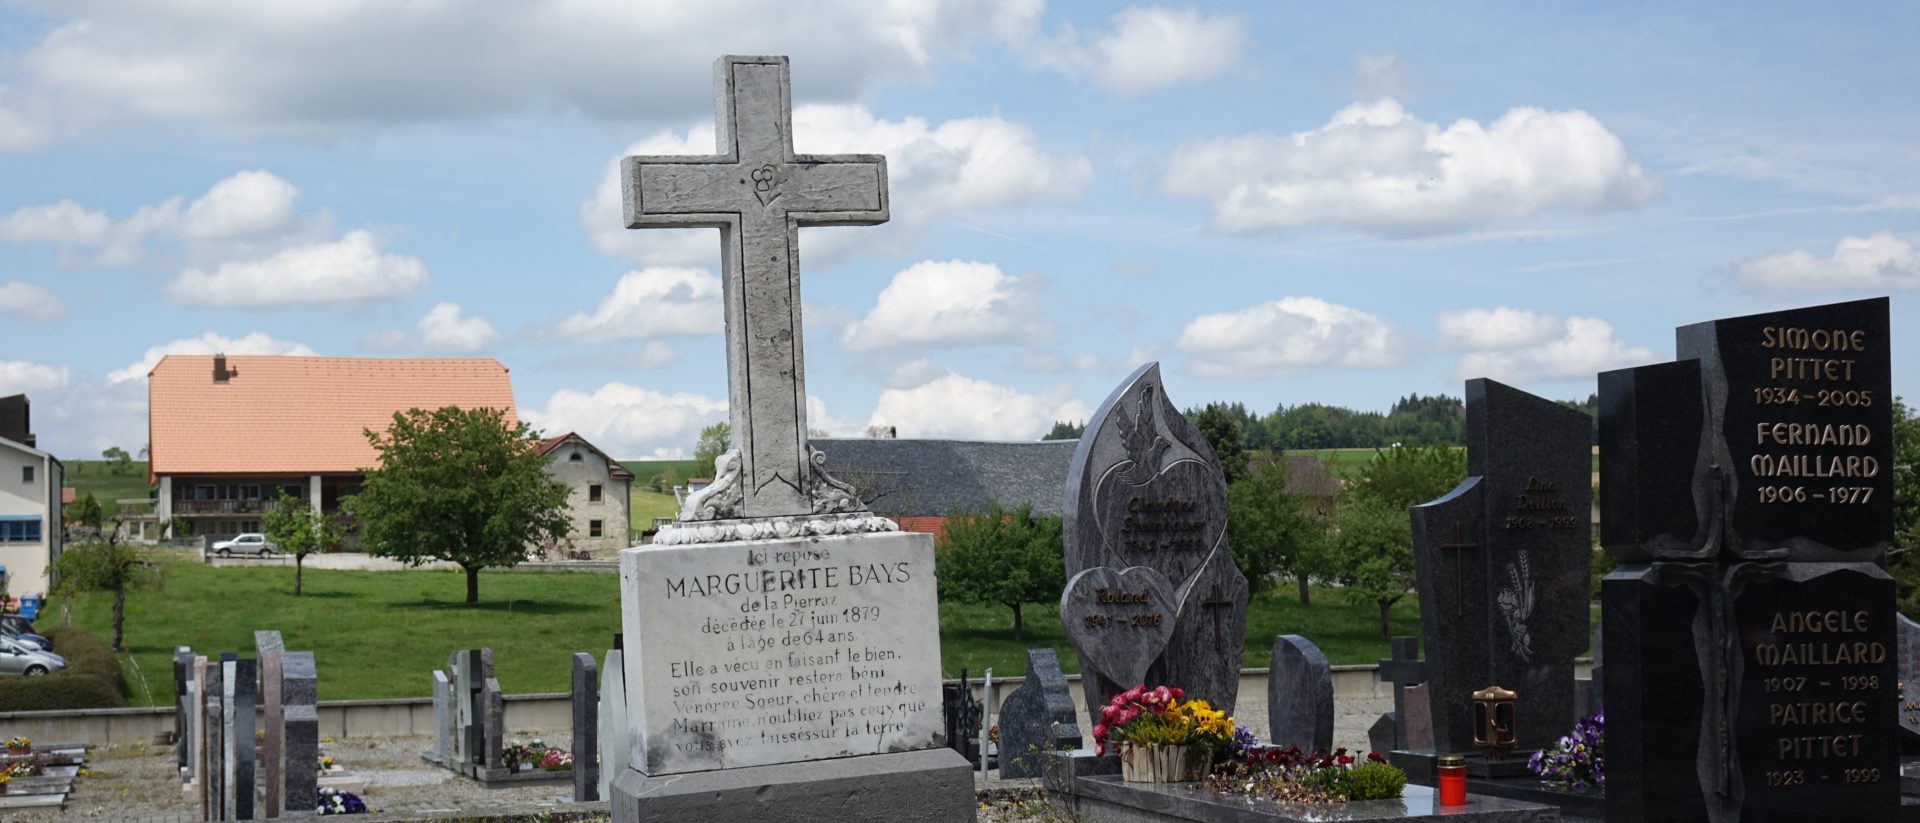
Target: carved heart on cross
1120,620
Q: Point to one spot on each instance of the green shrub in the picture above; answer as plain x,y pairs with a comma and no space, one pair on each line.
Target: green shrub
91,679
1376,781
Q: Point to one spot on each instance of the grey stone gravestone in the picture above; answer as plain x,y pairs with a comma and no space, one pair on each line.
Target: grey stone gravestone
269,649
470,670
493,710
242,687
586,728
1504,567
1403,669
1417,721
219,758
182,672
614,752
1153,594
441,709
1749,630
1037,718
1382,736
299,688
1300,695
202,734
839,597
1909,640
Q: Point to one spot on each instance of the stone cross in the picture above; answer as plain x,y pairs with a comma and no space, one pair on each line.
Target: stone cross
758,193
1404,669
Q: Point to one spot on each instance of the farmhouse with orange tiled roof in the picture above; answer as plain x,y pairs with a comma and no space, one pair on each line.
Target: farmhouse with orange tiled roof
228,432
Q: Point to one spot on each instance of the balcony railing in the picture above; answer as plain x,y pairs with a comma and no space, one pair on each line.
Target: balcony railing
220,506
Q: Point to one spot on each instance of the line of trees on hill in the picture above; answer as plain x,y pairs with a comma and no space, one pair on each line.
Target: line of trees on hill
1416,418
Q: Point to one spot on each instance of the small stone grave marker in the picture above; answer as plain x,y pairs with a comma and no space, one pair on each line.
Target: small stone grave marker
1037,718
1300,695
586,728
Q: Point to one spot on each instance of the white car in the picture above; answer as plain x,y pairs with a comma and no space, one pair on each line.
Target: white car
247,543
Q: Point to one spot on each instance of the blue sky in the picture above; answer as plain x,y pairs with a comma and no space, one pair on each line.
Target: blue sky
1281,202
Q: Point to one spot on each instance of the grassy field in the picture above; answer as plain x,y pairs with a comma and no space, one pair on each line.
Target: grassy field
380,634
97,476
644,470
644,505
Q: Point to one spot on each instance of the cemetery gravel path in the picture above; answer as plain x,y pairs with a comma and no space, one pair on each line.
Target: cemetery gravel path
138,783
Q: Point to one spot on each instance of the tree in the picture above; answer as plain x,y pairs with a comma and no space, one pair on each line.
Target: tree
1002,557
1410,475
468,486
1376,555
1066,430
86,511
118,457
105,566
1218,424
297,529
714,440
1271,531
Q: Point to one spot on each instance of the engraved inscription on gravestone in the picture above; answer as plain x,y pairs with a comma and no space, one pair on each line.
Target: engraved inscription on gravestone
772,652
1803,403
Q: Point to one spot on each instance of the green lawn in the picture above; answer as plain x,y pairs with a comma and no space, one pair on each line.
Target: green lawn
380,634
97,476
644,505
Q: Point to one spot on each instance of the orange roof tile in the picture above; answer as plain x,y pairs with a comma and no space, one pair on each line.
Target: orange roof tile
299,415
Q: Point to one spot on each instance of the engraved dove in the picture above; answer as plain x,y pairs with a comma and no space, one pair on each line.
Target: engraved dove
1142,440
1516,604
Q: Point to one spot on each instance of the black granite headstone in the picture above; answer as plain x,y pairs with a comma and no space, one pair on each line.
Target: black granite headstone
1752,665
1300,695
1503,563
586,728
1146,499
182,671
246,684
1037,718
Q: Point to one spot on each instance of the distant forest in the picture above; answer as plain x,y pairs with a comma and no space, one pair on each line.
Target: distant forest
1412,419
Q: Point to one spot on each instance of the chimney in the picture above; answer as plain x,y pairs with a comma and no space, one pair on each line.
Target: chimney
15,420
220,373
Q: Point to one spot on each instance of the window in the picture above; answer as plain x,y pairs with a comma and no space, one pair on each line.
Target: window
20,530
26,474
593,528
294,491
593,493
575,458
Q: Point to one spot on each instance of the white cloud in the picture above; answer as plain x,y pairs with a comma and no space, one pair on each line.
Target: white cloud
444,328
959,407
1380,74
248,204
650,303
18,130
911,373
1496,328
1374,167
315,69
1084,362
65,223
1147,49
208,343
961,164
1579,348
1289,336
23,377
948,303
1879,261
30,302
629,421
351,270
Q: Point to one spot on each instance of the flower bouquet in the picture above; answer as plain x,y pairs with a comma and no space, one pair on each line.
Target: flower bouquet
334,801
1161,738
1577,761
19,745
555,760
1290,774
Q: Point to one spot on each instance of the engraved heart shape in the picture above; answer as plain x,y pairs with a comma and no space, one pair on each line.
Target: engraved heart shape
1170,522
1120,620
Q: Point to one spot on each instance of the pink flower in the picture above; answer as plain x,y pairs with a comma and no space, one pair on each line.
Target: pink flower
1099,731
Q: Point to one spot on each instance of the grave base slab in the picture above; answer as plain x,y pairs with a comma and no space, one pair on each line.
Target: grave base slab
930,786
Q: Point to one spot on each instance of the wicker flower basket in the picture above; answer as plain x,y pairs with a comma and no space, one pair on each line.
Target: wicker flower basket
1164,764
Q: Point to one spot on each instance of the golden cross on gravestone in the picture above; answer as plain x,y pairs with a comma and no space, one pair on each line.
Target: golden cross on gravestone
758,193
1458,546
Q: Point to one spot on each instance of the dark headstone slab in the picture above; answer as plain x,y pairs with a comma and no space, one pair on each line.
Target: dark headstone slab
182,672
1776,702
1145,490
493,709
1300,695
1801,425
586,728
246,682
1909,642
1037,718
1654,464
271,650
1503,563
1383,734
213,795
300,689
1416,723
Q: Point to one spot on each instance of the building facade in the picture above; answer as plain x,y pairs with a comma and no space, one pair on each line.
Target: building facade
597,496
30,510
229,434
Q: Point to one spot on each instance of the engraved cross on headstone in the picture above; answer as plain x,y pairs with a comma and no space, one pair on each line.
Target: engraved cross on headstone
1459,547
758,193
1215,605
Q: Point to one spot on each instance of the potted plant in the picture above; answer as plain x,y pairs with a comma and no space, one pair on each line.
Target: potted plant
1160,737
1578,761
